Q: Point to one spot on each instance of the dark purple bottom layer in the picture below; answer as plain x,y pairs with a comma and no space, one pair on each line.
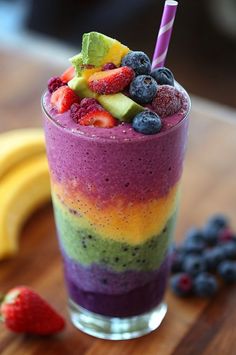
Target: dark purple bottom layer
135,302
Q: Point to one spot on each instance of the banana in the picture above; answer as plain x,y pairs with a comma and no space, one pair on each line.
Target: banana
19,144
22,189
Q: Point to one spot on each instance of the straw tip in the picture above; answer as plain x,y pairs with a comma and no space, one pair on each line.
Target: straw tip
171,3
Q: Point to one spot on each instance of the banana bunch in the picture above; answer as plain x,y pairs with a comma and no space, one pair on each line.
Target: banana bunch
24,183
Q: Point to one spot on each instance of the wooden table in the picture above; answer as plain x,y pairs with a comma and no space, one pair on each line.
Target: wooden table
191,326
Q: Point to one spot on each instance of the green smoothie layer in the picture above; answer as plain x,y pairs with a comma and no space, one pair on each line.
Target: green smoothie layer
86,247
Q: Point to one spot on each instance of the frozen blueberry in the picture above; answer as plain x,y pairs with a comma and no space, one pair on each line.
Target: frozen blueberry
229,250
219,220
138,61
192,246
177,259
194,264
163,76
181,284
194,234
213,257
227,270
147,122
143,89
211,234
205,285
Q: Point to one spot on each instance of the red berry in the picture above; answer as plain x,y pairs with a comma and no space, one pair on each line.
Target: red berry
168,101
88,101
78,111
24,311
98,118
63,98
109,66
55,83
68,74
110,81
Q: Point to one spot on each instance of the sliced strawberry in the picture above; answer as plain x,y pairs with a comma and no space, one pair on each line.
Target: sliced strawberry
110,81
63,98
98,118
68,74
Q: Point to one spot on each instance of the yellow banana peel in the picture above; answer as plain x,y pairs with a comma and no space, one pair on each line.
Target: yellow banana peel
19,144
24,183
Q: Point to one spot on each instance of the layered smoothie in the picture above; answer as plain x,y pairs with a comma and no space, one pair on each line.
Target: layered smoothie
115,193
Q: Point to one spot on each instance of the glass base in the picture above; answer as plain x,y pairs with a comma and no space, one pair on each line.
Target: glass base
114,328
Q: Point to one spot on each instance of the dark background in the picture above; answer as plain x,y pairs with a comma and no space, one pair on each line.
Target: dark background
202,53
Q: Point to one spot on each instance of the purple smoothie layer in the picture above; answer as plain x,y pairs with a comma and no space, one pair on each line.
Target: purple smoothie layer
129,303
100,279
83,153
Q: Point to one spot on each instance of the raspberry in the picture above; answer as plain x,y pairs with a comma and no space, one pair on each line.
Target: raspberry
168,101
87,101
108,66
87,105
55,83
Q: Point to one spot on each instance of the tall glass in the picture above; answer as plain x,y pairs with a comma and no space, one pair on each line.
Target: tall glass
115,201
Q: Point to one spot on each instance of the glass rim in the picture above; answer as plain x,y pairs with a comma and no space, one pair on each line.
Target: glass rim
123,140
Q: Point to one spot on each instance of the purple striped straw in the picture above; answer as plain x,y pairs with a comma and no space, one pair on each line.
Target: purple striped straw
163,38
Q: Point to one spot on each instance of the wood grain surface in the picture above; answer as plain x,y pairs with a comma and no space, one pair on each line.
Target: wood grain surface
196,327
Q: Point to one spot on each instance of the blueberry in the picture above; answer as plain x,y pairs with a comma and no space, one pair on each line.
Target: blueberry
194,264
138,61
211,234
219,220
205,285
194,234
181,284
177,259
143,89
147,122
163,76
192,246
213,257
227,270
229,249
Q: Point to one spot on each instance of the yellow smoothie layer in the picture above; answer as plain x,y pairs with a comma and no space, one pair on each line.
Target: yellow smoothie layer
133,223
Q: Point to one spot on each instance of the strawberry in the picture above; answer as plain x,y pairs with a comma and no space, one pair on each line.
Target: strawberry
111,81
63,98
68,74
23,311
98,118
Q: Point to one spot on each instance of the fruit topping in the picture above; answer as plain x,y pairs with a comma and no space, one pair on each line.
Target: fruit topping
120,106
63,98
147,122
68,74
24,311
98,118
168,101
181,284
163,76
77,111
205,285
143,89
99,49
138,61
110,81
108,66
55,83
